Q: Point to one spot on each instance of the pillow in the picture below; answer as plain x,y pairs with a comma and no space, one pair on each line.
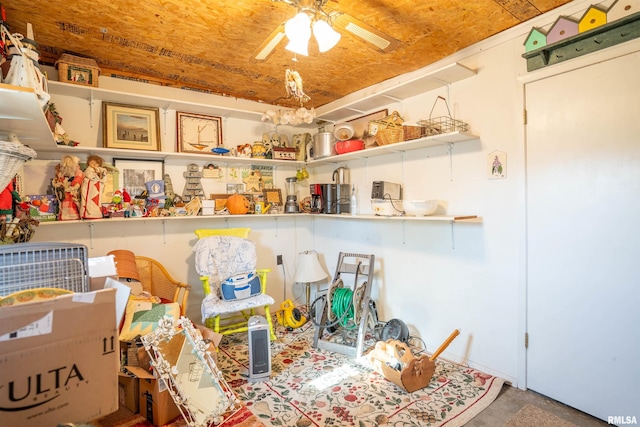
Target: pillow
141,317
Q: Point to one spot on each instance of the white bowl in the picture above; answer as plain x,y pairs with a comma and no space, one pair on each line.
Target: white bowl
386,207
420,207
343,131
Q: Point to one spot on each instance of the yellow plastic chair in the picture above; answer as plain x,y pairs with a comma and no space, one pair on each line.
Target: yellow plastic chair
156,280
229,317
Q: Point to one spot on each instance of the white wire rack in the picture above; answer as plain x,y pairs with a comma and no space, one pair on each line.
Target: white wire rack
32,265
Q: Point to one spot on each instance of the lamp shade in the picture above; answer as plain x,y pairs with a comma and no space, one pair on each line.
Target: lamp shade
298,31
308,268
326,36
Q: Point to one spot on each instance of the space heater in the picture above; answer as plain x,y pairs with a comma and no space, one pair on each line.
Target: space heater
259,349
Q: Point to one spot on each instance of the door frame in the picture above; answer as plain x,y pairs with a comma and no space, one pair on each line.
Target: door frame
613,52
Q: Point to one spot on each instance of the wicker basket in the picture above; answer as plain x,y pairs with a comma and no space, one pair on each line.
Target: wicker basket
390,129
12,156
442,124
77,70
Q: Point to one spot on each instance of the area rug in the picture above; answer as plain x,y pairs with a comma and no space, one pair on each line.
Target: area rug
310,387
532,416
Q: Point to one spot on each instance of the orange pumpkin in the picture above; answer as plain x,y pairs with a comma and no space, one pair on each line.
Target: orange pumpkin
237,204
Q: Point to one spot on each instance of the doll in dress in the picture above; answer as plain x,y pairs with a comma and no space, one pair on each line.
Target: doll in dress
67,184
95,176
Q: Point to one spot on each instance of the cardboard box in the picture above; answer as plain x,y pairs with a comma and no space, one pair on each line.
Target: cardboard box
100,268
42,207
59,360
156,404
129,392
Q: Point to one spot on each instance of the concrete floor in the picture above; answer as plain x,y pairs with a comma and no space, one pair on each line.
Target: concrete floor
511,400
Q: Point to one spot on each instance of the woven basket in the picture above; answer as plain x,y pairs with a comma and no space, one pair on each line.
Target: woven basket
390,129
12,156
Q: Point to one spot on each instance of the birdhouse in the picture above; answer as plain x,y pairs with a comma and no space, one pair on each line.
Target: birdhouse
622,8
563,28
592,18
535,40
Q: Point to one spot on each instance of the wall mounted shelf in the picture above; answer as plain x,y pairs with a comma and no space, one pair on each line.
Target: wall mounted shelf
54,153
180,100
393,90
20,112
414,144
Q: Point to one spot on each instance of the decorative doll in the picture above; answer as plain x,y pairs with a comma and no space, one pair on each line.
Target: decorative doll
95,176
8,198
67,184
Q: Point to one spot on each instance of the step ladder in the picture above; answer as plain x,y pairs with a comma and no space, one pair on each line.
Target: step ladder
354,272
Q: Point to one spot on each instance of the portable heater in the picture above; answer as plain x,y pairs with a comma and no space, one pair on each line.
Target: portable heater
259,349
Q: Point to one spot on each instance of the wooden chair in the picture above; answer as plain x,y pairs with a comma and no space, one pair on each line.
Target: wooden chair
157,281
229,317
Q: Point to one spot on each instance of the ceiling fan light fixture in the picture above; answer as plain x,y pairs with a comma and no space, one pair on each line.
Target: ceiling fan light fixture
298,31
326,36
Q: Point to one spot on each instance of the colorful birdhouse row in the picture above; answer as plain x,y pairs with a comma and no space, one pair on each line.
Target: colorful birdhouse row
565,27
567,38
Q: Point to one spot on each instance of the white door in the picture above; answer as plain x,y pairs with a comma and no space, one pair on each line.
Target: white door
583,237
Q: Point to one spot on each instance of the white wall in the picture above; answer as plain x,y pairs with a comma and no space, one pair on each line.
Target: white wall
434,276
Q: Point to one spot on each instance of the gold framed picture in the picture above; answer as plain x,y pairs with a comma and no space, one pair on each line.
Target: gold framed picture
198,133
130,126
273,196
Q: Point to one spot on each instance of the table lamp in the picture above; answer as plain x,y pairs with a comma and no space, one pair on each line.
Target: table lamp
309,270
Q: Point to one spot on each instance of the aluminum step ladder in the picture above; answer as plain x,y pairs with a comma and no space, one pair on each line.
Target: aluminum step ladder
354,272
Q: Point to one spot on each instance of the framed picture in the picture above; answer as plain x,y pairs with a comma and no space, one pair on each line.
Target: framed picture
198,133
130,126
361,126
135,173
273,196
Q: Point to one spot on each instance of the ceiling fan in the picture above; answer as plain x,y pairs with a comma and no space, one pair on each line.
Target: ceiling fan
337,19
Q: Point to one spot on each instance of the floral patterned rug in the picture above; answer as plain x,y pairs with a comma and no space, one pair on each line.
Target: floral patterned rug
310,387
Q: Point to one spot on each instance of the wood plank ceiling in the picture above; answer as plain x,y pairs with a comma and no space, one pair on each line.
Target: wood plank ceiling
210,45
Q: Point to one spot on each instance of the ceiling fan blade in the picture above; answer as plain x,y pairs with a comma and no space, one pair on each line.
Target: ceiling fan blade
267,47
366,32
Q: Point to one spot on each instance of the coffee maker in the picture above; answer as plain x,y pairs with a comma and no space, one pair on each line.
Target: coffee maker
330,198
317,199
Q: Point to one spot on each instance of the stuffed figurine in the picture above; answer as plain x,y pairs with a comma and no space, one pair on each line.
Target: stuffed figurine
95,176
67,184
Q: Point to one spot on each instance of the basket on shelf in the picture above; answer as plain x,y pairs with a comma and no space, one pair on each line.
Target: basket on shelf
442,124
13,154
389,129
19,230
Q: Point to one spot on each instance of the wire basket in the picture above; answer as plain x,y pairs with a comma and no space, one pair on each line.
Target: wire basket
12,156
442,124
390,129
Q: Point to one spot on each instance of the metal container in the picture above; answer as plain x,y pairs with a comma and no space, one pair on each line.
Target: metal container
323,145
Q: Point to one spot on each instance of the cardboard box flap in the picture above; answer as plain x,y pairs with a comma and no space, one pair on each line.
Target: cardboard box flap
44,321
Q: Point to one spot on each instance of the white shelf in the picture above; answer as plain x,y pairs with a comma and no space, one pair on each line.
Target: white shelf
57,151
430,218
20,112
393,90
175,99
170,218
414,144
437,218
